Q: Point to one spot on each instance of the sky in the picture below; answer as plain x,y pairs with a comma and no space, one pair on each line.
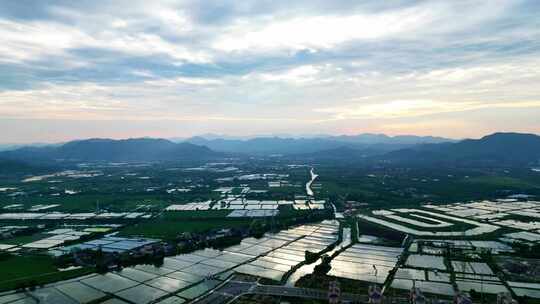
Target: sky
130,68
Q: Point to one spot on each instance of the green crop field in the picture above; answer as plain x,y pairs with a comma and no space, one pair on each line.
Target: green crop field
17,271
170,228
23,239
503,181
15,267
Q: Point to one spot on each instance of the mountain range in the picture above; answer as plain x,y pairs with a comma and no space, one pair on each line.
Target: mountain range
138,149
289,145
499,149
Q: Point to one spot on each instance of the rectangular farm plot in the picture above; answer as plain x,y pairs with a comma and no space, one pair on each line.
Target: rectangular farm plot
259,271
141,294
410,274
233,257
51,295
198,290
256,250
172,300
425,286
203,270
360,272
532,290
154,270
438,276
426,261
363,262
19,298
429,281
189,258
80,292
176,264
531,293
527,236
137,275
472,268
168,284
184,276
216,262
208,253
109,282
481,268
270,265
480,286
463,267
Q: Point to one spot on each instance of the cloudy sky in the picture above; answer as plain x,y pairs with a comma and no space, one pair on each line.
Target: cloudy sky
78,69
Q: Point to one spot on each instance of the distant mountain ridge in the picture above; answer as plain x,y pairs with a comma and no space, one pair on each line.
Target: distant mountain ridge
199,148
499,149
280,145
516,149
371,138
10,146
97,149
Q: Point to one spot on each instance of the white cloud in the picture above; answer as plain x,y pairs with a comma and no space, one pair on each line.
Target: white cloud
313,32
195,81
413,108
143,73
37,40
32,41
301,74
328,31
423,59
147,44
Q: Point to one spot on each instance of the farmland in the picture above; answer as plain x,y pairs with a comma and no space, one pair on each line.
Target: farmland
449,231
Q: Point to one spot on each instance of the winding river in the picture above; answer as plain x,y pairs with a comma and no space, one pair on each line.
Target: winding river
308,184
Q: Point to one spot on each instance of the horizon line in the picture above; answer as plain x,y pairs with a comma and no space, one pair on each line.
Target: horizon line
248,137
